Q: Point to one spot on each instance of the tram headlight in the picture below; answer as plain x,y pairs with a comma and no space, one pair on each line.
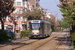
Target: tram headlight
37,33
32,33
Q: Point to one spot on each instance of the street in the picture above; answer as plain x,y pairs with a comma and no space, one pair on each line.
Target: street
37,24
48,43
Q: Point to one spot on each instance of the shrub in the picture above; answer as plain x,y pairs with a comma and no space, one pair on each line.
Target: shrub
56,30
24,33
4,36
72,35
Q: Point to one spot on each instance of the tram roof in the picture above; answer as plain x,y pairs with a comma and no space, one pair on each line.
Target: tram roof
41,21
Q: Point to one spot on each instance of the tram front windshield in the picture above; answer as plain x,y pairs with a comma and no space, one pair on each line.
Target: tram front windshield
35,26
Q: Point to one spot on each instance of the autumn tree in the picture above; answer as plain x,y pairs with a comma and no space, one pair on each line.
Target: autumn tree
6,7
32,15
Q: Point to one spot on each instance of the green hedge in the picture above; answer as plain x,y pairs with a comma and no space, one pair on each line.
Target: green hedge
56,30
4,36
24,33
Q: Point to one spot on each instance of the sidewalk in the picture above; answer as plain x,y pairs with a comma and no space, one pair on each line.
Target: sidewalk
13,41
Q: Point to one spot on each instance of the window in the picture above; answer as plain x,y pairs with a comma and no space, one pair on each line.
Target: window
36,4
18,3
35,26
14,3
23,3
33,6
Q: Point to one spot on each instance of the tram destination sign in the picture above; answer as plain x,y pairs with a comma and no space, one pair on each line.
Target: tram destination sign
35,21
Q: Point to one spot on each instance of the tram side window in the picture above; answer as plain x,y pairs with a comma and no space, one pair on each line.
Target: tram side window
41,26
47,27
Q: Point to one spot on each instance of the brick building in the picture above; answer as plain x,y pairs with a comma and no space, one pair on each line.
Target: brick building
34,4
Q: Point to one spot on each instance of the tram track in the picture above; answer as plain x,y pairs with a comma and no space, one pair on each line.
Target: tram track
34,44
30,42
57,47
27,39
45,42
15,42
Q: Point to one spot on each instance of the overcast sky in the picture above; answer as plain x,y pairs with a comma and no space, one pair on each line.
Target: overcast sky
51,6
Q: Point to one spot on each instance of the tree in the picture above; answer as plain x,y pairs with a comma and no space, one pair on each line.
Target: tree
52,21
6,7
32,15
67,7
64,24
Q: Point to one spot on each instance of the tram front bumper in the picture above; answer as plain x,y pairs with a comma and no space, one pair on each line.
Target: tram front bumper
36,36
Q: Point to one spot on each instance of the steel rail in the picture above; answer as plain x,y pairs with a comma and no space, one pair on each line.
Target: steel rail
44,43
26,44
58,44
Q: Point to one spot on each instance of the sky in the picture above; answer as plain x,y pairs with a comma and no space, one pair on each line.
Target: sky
51,6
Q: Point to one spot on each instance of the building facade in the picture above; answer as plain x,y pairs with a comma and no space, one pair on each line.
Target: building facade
20,6
34,4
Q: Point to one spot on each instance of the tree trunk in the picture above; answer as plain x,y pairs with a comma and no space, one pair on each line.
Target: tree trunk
2,24
73,28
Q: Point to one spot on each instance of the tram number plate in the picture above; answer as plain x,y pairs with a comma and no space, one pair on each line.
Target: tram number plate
35,33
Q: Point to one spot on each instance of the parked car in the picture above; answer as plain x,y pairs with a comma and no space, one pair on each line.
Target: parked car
9,32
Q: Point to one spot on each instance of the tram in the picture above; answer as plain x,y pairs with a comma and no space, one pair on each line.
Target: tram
39,29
